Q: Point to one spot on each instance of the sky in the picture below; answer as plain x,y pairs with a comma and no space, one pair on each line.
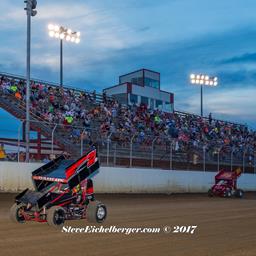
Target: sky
173,37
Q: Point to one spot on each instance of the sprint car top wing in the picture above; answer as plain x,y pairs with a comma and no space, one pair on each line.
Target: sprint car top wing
66,171
84,168
228,175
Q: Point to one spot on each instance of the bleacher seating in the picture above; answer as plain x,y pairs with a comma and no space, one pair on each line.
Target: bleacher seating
75,114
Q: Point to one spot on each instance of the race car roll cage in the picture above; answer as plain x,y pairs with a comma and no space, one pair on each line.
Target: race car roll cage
76,184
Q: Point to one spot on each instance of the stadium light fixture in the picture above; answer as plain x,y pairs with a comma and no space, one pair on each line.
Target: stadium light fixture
63,34
31,11
203,80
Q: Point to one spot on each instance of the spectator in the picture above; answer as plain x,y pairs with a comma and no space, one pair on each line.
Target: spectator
210,118
2,152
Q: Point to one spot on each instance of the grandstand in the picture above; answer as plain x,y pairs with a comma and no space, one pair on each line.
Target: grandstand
73,119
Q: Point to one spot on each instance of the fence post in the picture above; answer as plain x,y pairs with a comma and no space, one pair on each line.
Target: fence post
82,142
98,151
204,149
53,136
254,162
218,160
19,140
152,152
108,144
171,147
244,153
231,164
131,149
115,155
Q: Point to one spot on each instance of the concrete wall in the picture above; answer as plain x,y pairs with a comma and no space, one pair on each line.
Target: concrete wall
17,176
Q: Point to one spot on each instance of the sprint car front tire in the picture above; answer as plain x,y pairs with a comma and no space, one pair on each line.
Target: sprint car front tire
56,217
96,212
15,213
239,193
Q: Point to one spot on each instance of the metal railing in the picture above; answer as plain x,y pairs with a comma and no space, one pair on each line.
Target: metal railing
98,97
139,150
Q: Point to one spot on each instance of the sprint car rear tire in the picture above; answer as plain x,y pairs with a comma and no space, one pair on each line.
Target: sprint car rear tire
227,193
96,212
56,217
15,215
239,193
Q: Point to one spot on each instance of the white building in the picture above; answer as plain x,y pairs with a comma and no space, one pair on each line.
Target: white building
142,86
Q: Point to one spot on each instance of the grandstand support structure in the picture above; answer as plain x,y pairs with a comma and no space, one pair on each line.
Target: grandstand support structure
18,110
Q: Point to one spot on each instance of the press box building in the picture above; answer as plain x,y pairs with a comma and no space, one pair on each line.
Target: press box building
142,86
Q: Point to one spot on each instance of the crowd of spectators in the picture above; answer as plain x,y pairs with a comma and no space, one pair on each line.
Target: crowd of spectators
108,119
185,131
56,105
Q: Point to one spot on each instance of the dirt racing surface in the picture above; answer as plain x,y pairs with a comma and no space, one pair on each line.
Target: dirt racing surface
224,227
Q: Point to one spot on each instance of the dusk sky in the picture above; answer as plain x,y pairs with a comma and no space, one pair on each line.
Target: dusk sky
173,37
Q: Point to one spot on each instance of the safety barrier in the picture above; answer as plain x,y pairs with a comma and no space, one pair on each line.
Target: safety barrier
17,176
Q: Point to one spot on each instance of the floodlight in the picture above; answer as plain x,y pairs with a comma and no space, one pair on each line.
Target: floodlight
203,80
51,33
51,27
62,34
56,28
192,76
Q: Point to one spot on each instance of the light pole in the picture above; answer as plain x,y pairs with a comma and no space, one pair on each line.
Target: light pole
203,80
63,33
30,10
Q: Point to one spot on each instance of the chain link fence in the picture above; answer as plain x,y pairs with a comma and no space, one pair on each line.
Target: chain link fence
139,150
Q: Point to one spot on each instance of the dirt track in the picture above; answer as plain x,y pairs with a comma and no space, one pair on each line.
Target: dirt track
225,227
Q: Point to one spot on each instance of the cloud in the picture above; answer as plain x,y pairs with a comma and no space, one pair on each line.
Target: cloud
173,37
237,104
245,58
